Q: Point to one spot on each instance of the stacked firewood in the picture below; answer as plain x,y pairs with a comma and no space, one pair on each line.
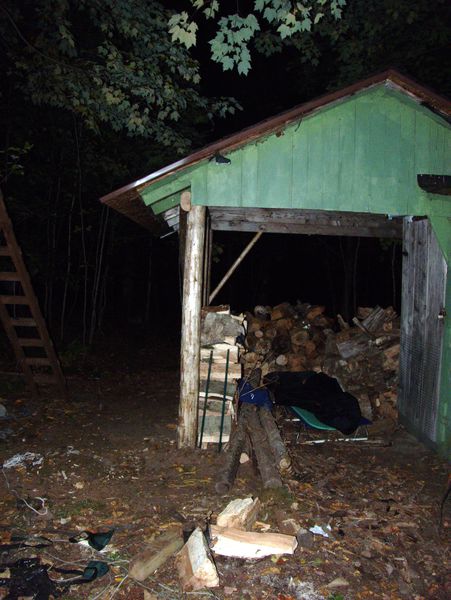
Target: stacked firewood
363,355
219,369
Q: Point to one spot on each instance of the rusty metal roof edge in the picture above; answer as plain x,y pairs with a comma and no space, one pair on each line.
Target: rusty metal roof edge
268,126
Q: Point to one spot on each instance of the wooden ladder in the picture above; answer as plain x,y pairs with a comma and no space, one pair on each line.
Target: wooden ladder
21,316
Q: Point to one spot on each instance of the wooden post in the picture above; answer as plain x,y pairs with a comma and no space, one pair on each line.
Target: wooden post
185,206
190,347
207,262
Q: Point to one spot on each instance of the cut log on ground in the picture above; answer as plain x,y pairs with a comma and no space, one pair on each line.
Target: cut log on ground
249,544
158,552
239,514
236,446
195,565
279,451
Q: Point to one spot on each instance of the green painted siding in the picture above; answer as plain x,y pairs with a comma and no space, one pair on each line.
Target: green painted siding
361,154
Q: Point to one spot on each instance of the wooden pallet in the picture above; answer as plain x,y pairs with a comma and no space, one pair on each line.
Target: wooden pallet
21,316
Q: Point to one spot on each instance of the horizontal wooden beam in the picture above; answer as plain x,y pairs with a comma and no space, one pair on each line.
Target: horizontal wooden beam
307,222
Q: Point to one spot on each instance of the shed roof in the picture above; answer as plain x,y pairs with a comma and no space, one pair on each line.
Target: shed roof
128,201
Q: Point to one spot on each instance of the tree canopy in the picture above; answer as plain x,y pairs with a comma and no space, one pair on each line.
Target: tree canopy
267,23
107,62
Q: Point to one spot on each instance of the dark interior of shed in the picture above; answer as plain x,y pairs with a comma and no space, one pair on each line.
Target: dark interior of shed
340,272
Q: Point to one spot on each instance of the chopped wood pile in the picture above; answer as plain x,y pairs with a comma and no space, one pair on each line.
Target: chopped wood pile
232,536
219,368
362,355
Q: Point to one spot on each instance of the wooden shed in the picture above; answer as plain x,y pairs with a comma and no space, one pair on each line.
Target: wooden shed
372,159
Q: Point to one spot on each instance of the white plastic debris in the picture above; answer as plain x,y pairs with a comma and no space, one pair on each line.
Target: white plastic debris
27,458
319,530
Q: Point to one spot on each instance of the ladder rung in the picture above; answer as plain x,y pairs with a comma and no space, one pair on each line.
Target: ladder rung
30,342
14,300
38,361
9,276
4,251
23,322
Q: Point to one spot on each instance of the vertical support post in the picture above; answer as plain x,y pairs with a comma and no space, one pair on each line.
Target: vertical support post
207,261
191,314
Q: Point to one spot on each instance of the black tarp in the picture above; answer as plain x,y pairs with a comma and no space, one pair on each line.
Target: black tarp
319,394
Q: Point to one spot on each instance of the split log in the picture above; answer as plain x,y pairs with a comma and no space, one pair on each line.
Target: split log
309,348
285,325
366,331
250,358
270,332
162,548
236,445
262,312
376,319
253,323
299,336
282,311
195,565
281,360
249,544
342,323
239,514
217,371
391,358
281,344
265,460
296,362
216,327
354,346
364,311
250,341
314,312
279,451
262,346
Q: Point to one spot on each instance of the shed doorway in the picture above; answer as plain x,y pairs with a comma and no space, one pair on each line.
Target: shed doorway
417,398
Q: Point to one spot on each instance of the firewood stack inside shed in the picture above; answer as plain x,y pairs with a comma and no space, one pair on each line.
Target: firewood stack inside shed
363,355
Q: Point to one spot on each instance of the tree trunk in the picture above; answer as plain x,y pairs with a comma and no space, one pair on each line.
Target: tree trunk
68,269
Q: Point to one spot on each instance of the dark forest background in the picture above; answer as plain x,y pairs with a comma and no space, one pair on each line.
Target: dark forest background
94,271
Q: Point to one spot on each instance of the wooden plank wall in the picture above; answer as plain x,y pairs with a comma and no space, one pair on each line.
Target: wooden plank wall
423,296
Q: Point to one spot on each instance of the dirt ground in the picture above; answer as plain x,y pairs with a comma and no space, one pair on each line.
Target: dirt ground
109,461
